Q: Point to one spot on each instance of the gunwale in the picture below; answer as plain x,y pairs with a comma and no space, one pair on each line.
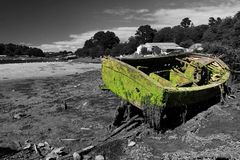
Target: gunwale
224,78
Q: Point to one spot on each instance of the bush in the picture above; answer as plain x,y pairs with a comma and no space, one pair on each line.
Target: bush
228,54
187,43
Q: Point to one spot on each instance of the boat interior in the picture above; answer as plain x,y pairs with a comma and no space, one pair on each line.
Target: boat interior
179,71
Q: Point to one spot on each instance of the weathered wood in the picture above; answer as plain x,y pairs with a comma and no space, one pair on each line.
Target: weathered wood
116,131
80,152
119,129
123,78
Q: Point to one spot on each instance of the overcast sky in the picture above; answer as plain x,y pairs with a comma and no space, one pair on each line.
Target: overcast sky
54,25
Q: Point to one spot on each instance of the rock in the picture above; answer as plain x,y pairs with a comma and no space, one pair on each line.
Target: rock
37,149
173,137
77,85
52,156
76,156
58,150
131,143
83,128
47,146
85,103
40,145
59,107
19,115
99,157
9,147
87,157
27,145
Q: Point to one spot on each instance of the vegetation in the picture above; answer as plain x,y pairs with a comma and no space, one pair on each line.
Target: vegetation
184,34
223,31
219,36
100,44
20,50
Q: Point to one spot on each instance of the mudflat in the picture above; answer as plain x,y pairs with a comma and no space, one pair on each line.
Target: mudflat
43,69
69,110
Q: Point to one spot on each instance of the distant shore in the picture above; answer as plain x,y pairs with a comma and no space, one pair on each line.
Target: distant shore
8,60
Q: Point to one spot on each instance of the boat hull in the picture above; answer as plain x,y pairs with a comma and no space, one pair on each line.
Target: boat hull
136,87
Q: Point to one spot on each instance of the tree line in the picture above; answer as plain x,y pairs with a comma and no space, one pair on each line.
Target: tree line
219,36
20,50
217,33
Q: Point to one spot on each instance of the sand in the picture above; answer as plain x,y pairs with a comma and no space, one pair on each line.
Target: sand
45,69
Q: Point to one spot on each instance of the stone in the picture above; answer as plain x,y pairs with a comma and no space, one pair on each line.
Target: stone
87,157
19,115
47,146
40,145
83,128
131,144
58,150
99,157
85,103
27,145
10,146
52,156
76,156
172,137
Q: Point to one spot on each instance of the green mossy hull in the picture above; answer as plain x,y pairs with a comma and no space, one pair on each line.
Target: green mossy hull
136,87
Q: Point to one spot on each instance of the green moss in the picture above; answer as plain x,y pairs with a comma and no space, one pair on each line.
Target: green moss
131,85
141,90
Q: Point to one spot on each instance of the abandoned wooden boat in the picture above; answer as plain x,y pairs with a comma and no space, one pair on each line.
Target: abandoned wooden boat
154,83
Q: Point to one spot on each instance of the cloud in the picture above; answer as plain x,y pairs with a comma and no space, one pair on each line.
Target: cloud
77,40
25,44
125,11
198,15
198,12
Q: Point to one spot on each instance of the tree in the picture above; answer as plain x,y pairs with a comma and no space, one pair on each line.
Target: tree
111,40
118,49
178,34
82,52
164,35
35,52
89,43
187,43
236,28
237,16
100,44
198,33
186,22
2,48
131,47
211,21
145,34
105,39
210,35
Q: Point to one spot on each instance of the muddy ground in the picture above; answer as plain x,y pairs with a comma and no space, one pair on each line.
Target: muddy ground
72,112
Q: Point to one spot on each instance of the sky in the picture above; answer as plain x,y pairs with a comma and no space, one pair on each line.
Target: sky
56,25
